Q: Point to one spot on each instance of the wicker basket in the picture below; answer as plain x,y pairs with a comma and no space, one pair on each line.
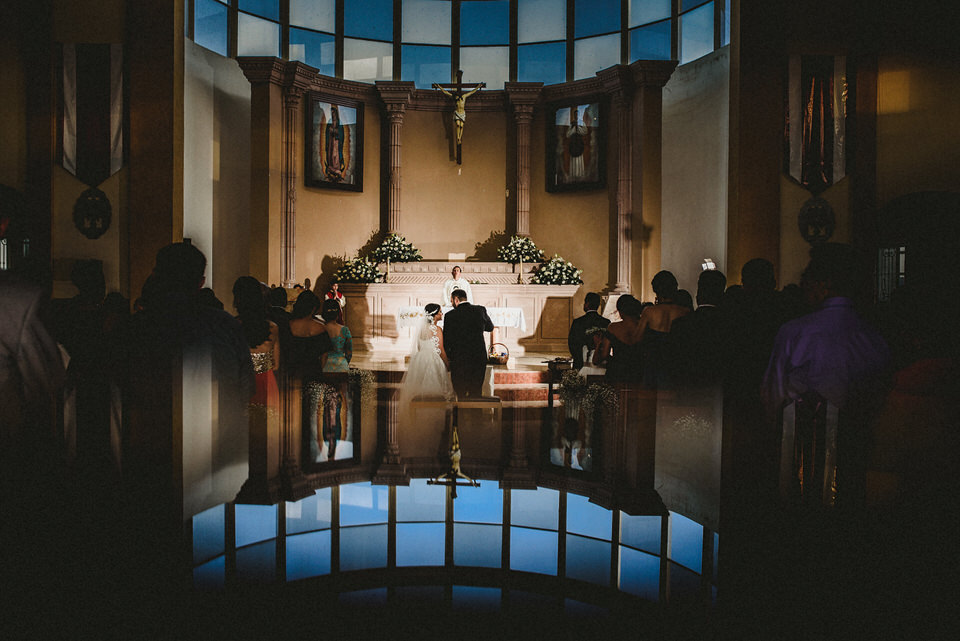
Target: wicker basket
498,357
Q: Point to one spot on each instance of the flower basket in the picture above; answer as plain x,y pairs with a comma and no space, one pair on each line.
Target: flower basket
557,271
498,356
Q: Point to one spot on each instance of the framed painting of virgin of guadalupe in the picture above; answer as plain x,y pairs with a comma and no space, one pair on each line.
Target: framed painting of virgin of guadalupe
335,143
576,144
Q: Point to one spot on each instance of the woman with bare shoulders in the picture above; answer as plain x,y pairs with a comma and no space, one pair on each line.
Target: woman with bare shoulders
427,373
655,324
308,336
618,349
263,339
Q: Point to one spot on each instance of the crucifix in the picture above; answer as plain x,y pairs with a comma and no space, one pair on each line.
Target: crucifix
459,99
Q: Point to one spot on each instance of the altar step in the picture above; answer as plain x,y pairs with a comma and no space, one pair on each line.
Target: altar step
521,388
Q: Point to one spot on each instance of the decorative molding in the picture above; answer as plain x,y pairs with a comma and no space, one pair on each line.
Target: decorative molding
652,73
262,69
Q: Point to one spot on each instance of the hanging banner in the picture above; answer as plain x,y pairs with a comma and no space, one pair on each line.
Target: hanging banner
91,101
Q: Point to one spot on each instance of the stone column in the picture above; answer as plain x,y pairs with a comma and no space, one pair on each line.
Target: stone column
523,96
396,96
618,83
288,208
391,471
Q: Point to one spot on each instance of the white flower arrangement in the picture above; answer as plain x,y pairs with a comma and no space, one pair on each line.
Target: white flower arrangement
557,271
520,249
358,270
396,248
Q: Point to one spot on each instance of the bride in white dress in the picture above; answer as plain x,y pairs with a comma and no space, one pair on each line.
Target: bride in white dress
427,374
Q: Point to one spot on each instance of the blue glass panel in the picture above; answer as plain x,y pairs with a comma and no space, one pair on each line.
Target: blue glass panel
482,504
725,33
466,597
647,11
209,538
211,575
263,8
257,563
533,551
308,555
425,65
641,532
311,513
362,503
584,517
588,560
420,544
639,574
683,582
651,42
363,547
316,49
687,5
372,19
421,502
485,22
686,542
373,597
716,555
256,36
476,545
593,17
210,25
696,33
546,63
535,508
255,523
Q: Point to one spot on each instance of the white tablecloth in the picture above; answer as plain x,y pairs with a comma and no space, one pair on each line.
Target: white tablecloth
409,316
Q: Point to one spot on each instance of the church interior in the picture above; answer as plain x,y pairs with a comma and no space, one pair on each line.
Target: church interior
286,139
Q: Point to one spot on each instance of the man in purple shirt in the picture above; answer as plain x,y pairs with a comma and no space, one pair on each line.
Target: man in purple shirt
831,351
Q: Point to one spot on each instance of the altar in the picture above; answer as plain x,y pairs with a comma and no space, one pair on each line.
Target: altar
529,318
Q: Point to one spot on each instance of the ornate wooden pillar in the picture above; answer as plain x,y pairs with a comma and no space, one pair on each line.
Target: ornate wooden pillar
396,96
288,210
523,96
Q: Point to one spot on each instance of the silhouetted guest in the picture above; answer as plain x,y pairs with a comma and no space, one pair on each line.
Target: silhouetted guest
697,340
655,325
619,349
577,339
830,351
209,298
308,336
684,299
178,345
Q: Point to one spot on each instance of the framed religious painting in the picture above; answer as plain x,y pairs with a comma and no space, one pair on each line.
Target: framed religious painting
334,146
576,146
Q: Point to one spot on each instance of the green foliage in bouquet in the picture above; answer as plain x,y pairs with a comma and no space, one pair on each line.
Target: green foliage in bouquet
557,271
358,270
396,248
520,249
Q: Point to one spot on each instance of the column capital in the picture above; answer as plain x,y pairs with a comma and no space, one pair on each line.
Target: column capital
652,73
395,93
523,95
618,82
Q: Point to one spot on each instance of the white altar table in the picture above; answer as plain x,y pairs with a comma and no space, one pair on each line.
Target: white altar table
411,315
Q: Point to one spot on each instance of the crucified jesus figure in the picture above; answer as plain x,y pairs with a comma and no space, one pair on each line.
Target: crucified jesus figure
459,99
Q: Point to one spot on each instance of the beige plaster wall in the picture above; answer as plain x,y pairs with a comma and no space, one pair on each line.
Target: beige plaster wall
332,223
696,127
918,137
217,165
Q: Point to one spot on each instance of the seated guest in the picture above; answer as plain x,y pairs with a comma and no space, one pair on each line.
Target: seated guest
308,336
655,324
697,340
577,339
619,348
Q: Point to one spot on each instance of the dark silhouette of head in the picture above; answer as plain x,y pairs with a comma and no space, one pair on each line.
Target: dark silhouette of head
629,307
665,285
835,269
277,297
710,287
180,268
306,305
757,276
459,295
431,309
87,275
330,310
591,302
684,299
248,297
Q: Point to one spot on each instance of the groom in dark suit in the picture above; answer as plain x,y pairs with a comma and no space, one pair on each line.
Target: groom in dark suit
463,329
577,339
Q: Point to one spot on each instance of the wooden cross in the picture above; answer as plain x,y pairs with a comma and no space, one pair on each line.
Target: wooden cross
459,99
